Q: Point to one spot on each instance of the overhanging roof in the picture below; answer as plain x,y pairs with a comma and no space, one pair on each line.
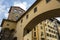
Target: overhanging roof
6,20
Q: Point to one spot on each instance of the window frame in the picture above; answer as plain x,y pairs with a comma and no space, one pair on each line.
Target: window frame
35,9
47,1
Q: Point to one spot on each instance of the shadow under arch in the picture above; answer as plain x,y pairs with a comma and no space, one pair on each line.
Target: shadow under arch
41,17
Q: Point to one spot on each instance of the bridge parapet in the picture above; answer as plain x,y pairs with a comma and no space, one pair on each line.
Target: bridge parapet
38,12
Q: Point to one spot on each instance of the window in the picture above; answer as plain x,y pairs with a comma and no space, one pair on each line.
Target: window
48,1
47,34
52,31
7,24
35,9
35,34
42,39
55,36
26,16
49,30
15,11
20,12
48,26
50,35
55,25
16,17
21,20
41,33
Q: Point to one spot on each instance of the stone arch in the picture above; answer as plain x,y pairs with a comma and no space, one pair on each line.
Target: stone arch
41,17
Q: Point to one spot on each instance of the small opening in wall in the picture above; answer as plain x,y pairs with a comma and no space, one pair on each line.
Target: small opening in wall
35,9
21,20
26,16
48,1
7,24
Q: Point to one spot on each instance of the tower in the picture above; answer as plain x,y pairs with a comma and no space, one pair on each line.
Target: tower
15,13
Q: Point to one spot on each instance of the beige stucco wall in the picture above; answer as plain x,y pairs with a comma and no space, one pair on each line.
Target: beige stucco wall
12,25
42,24
51,24
45,29
19,31
59,29
42,7
28,36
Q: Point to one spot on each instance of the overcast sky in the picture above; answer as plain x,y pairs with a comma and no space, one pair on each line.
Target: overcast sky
6,4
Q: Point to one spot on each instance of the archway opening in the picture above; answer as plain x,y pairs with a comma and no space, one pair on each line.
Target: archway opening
46,15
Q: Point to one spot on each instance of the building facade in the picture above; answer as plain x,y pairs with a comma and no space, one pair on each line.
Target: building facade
51,30
6,23
28,25
7,34
46,30
39,11
15,13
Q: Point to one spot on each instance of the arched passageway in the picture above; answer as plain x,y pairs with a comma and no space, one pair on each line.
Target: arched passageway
41,17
